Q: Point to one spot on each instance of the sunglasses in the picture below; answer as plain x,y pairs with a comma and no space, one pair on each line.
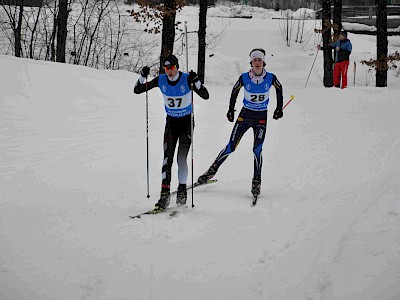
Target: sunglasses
170,68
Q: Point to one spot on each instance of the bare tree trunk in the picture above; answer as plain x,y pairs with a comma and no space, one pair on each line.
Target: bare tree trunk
201,58
62,19
287,32
381,43
168,31
95,31
337,18
53,34
31,45
326,37
17,31
15,25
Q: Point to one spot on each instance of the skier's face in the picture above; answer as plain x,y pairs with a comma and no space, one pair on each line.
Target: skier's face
257,64
171,71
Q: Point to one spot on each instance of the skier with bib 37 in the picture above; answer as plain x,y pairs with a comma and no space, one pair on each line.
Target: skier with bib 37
175,87
257,83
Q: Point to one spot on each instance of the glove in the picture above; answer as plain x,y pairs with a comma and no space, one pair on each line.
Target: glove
193,77
145,71
230,115
278,113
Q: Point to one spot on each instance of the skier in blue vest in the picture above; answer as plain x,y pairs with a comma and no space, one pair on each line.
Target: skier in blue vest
257,84
175,87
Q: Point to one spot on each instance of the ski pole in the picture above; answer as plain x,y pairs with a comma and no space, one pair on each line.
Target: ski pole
290,100
354,70
191,137
312,67
147,139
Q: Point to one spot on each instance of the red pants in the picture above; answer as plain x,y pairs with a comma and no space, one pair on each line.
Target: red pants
340,71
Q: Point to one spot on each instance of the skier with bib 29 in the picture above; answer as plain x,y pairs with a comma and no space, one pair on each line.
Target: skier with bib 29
175,86
257,84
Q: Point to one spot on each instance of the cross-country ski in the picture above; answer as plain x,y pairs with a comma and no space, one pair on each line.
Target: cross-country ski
173,210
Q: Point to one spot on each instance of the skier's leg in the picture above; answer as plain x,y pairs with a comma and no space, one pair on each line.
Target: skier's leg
183,131
344,69
336,75
259,137
183,150
239,129
170,141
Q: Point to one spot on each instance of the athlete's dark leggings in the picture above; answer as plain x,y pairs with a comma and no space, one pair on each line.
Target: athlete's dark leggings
246,119
176,129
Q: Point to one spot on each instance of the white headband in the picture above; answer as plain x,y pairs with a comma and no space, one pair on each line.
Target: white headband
257,54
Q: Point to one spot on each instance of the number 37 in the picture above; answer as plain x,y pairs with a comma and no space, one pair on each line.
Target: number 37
172,102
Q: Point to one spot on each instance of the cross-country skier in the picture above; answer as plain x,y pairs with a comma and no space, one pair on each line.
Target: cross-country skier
257,84
175,87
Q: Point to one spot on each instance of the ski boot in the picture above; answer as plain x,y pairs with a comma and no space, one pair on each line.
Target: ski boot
181,196
256,186
165,198
208,175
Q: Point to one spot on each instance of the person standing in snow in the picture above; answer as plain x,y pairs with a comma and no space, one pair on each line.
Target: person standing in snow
343,48
175,87
257,84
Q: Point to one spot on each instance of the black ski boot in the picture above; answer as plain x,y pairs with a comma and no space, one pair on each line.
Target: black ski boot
165,198
181,196
207,175
256,186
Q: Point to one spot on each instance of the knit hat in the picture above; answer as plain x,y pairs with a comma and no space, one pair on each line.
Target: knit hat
344,33
171,60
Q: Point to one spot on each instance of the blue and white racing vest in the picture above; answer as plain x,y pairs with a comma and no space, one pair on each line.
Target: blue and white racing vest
178,98
256,96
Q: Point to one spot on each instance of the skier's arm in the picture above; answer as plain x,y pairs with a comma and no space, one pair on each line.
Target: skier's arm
278,113
235,92
200,90
330,46
140,86
279,92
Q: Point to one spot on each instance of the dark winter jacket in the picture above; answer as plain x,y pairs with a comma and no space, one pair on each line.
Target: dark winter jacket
344,52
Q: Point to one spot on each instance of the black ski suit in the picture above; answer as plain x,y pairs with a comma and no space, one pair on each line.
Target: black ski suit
176,128
256,119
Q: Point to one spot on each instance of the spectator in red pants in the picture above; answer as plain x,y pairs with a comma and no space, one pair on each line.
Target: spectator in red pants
343,48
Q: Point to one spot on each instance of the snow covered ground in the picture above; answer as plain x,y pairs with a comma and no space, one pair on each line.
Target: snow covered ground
73,167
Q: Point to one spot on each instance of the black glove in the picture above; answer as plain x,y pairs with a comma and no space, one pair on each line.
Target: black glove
193,77
278,113
230,115
145,71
